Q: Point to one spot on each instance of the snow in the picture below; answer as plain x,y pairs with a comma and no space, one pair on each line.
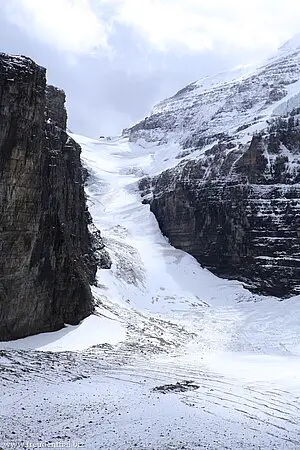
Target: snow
147,272
236,103
93,330
161,319
292,44
236,74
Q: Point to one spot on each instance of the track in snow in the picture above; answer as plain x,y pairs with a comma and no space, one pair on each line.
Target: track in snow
161,320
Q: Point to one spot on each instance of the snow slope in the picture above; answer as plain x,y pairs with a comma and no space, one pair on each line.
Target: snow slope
231,105
175,358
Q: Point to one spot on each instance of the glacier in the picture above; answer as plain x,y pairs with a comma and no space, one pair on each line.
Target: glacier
173,358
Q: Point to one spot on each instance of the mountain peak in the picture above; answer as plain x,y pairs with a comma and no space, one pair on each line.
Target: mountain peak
291,44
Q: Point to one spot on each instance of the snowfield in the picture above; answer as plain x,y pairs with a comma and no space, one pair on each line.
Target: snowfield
173,358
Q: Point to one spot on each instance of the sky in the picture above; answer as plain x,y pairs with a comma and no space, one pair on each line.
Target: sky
116,59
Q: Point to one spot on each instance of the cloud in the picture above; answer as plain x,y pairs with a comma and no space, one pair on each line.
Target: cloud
68,25
145,49
86,26
198,25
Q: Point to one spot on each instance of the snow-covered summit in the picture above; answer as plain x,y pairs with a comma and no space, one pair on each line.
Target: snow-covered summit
236,103
291,44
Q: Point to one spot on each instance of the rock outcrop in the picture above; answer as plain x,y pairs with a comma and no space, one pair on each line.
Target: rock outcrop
243,221
233,199
47,262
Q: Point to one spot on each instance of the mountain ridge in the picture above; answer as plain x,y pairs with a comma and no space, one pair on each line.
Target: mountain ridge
230,193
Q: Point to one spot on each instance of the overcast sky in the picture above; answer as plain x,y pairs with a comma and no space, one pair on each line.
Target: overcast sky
117,58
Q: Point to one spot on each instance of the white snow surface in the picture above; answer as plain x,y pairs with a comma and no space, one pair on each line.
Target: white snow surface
234,104
161,319
91,331
292,44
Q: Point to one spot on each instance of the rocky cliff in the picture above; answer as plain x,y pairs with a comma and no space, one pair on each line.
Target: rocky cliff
231,197
47,258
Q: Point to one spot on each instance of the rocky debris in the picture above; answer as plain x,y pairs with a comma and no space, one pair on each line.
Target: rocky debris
99,250
46,261
180,386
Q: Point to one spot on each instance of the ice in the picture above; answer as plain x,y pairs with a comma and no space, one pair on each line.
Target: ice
161,319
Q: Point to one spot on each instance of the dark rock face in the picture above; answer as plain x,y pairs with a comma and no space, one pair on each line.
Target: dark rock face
232,201
46,260
55,106
238,212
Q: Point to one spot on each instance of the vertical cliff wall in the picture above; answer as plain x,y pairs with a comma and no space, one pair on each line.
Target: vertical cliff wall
238,213
46,256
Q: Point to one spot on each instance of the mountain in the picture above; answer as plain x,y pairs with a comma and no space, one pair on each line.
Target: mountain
173,356
47,259
229,196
